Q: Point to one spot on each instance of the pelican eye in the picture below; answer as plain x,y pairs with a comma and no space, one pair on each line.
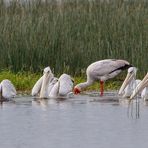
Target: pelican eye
131,72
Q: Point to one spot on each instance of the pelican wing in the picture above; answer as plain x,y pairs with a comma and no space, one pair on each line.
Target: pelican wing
8,89
54,91
106,67
66,85
144,94
51,84
65,88
143,84
37,87
47,77
62,88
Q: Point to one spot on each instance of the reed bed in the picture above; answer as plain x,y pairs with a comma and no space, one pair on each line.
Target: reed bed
69,35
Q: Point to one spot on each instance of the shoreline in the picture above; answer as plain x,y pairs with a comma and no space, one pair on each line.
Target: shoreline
24,81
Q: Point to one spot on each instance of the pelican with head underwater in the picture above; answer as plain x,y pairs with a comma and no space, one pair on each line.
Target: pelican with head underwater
7,90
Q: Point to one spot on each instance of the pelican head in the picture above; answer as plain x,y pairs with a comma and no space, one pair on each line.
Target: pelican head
140,87
54,80
47,70
130,76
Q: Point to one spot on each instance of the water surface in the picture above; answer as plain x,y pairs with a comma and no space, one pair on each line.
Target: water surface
85,121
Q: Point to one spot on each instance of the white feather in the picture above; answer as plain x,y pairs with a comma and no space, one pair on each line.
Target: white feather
7,89
141,87
62,88
144,94
130,87
102,70
54,91
37,87
130,83
41,86
66,85
51,84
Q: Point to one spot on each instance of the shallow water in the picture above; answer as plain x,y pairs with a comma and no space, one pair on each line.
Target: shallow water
85,121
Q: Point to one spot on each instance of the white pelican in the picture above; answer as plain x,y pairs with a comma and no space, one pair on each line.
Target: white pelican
102,70
41,86
7,90
62,88
129,83
144,94
51,84
143,86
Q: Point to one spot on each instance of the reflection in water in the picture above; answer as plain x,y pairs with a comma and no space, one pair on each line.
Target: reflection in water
145,103
40,101
2,101
45,103
133,107
82,121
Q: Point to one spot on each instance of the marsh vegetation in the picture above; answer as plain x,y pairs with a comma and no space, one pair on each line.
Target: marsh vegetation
70,35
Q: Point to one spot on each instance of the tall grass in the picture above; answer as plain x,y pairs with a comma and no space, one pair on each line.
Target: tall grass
70,35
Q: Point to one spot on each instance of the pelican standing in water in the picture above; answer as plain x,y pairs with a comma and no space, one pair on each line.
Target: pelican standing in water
62,88
102,70
7,90
129,83
41,87
143,88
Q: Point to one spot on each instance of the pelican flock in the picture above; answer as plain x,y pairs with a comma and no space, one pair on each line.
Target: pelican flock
7,90
49,86
102,70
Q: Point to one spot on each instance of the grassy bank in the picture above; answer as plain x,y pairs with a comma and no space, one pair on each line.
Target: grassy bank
70,35
24,81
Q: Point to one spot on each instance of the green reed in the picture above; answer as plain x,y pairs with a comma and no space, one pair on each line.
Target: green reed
70,35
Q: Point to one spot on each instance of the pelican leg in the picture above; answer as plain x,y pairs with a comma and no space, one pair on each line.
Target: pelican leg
101,88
